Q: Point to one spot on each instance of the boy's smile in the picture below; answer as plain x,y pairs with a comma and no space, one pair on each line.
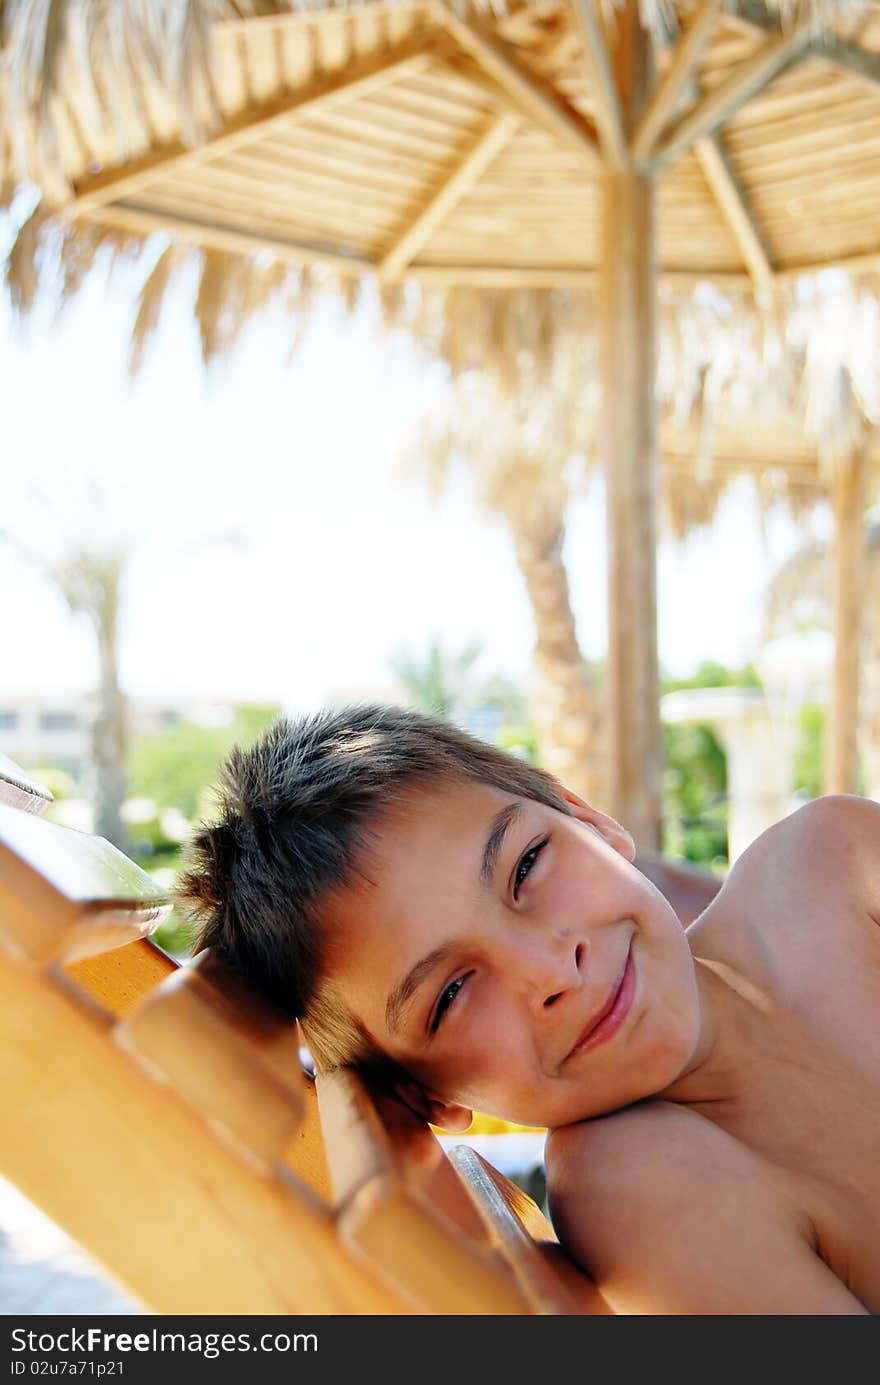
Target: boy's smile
510,958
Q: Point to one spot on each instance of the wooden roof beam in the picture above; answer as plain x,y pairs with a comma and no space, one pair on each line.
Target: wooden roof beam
354,79
675,82
489,144
145,221
732,204
559,276
595,51
525,90
744,82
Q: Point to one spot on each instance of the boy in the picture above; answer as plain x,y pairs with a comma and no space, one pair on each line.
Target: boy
471,934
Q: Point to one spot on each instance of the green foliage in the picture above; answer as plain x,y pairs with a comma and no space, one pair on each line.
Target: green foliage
177,767
520,740
808,756
694,795
448,683
712,675
695,775
173,935
438,681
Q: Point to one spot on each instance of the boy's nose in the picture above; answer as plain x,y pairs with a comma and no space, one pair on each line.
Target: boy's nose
553,971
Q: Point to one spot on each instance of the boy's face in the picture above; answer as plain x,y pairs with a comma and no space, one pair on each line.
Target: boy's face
495,933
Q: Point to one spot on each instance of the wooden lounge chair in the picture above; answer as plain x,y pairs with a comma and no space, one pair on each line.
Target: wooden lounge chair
160,1115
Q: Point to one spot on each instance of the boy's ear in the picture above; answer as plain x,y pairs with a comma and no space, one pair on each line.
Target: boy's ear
607,827
447,1115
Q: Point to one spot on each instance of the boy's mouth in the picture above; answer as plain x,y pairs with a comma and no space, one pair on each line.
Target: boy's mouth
604,1024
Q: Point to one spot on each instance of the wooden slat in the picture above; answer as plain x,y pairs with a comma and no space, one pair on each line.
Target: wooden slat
226,1053
551,1282
238,190
363,125
435,1251
118,1161
118,981
333,226
20,790
65,895
811,154
272,179
446,198
354,80
337,158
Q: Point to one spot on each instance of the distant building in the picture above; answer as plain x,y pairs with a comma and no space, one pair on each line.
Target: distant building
38,731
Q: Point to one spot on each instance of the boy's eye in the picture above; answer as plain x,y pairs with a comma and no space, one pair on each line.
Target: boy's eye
445,999
525,863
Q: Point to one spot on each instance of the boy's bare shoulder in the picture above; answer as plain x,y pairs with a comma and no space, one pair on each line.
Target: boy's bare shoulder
836,838
817,871
671,1214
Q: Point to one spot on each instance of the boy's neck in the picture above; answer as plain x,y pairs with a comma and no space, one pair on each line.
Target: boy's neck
734,1015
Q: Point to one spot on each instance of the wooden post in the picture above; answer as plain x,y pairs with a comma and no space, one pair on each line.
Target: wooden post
848,563
628,292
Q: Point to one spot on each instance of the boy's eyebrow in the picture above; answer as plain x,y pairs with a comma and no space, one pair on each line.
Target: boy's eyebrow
498,829
402,993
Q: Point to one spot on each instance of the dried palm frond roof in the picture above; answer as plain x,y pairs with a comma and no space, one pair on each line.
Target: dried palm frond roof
776,392
455,144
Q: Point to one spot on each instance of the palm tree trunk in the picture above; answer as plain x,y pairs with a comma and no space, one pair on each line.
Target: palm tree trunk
564,701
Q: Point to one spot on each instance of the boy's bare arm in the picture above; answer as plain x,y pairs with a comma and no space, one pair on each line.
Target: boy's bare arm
670,1216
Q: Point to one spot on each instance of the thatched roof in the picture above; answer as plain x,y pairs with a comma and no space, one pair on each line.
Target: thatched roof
397,136
336,141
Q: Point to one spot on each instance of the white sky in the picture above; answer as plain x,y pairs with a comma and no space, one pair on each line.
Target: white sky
344,558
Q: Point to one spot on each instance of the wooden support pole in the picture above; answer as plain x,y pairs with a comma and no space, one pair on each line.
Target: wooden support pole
628,294
848,566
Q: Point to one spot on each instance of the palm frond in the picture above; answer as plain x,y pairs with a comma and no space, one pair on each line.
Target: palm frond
22,270
151,300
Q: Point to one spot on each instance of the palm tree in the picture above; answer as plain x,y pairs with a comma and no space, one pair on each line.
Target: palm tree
85,551
88,573
522,420
440,682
